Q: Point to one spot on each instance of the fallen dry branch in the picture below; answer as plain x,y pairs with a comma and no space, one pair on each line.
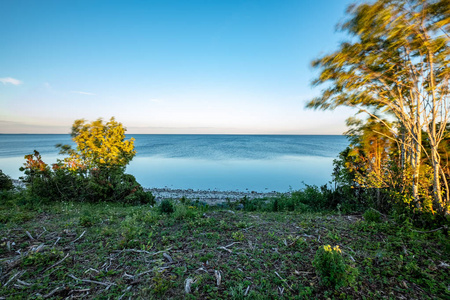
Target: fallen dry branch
133,251
226,247
246,291
29,235
168,257
187,285
218,277
142,251
57,240
107,284
57,263
14,276
45,230
429,231
53,292
79,237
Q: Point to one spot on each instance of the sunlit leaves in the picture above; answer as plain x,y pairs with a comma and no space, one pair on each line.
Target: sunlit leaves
395,65
99,146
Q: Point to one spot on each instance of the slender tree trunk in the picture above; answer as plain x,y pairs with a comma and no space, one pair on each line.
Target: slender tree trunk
436,180
447,196
434,142
415,162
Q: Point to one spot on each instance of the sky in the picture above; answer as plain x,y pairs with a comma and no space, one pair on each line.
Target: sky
167,67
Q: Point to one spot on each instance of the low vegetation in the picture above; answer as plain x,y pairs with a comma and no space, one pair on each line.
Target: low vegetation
93,172
188,250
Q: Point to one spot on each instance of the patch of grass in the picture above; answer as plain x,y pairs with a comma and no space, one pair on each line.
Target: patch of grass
109,250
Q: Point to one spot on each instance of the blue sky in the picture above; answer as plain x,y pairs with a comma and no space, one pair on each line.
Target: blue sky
166,66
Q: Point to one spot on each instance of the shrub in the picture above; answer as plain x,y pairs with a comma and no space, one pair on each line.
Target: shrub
184,212
166,207
101,186
93,172
331,267
6,183
311,196
371,215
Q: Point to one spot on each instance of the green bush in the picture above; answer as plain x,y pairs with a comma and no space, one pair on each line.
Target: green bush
6,183
371,215
93,172
184,212
332,269
99,186
166,207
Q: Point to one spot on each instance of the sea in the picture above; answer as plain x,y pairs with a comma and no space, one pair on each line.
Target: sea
261,163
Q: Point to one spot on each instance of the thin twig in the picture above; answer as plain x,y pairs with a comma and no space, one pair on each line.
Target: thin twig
225,249
55,264
246,291
92,281
23,282
12,278
57,240
52,292
45,230
29,235
429,231
132,250
279,275
232,244
79,237
143,273
142,251
167,256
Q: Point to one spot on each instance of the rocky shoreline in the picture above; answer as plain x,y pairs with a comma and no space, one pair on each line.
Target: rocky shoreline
212,197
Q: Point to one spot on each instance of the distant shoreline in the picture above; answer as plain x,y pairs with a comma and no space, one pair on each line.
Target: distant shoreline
209,196
204,134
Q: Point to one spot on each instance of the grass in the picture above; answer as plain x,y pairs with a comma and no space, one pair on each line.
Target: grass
116,251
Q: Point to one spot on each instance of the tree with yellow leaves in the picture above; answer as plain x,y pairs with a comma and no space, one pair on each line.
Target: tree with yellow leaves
100,146
94,171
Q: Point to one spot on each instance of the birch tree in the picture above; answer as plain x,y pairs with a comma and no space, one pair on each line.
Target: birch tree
396,64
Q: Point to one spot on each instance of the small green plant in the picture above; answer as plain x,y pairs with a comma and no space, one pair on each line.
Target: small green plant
241,224
182,211
40,259
372,215
331,267
86,221
166,207
238,236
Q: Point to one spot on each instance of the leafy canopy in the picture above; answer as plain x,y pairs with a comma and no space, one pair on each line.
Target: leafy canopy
99,146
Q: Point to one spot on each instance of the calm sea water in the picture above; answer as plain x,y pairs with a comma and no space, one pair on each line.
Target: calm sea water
222,162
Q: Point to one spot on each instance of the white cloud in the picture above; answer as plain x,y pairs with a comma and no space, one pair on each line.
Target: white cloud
82,93
10,80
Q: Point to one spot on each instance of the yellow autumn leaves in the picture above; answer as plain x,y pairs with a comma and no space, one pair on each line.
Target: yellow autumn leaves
99,145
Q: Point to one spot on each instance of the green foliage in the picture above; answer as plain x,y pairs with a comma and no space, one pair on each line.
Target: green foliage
183,211
372,215
277,249
109,186
332,269
238,236
6,183
395,64
166,207
92,173
40,259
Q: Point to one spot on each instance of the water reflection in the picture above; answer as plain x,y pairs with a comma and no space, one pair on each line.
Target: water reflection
256,175
222,162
